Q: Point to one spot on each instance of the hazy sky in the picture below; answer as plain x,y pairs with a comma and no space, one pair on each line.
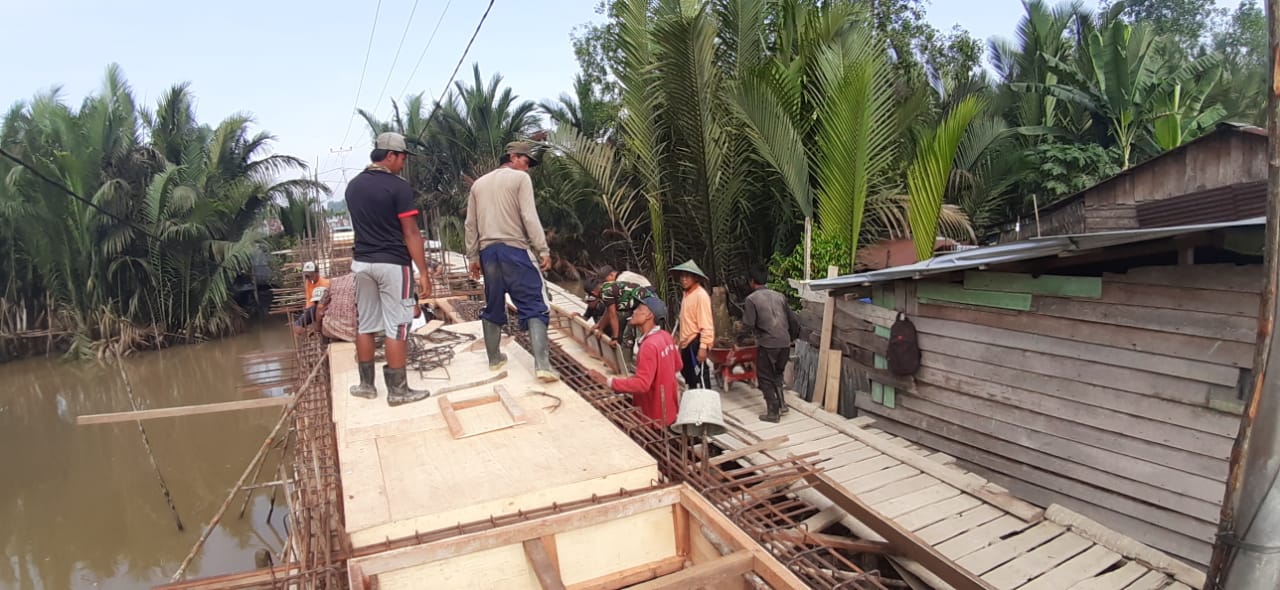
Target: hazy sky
297,65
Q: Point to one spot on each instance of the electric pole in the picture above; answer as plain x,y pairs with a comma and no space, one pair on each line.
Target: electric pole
1246,554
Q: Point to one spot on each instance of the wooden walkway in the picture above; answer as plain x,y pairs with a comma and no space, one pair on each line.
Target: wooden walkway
1006,541
1009,543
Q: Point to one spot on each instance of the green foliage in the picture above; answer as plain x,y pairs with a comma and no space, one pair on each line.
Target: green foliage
185,202
1058,169
827,251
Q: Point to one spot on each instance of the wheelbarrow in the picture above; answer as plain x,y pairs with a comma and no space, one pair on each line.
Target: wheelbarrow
734,364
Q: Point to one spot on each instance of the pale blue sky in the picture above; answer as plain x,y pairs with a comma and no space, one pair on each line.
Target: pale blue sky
296,65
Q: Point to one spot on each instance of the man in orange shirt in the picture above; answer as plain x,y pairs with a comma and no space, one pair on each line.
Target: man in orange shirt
696,330
310,280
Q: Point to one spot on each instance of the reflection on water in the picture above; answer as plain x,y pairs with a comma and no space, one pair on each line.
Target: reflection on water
80,506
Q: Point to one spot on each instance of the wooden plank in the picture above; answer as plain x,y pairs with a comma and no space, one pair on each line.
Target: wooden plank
1124,378
993,556
1104,397
1038,561
151,414
1158,475
519,532
703,575
918,499
1093,561
836,542
1108,355
1211,350
875,480
1176,532
1229,277
980,537
861,468
903,541
938,512
1161,433
632,575
460,405
766,566
546,570
1230,303
824,344
967,482
929,291
1113,580
1030,464
450,416
1007,282
1152,581
1195,323
683,538
513,407
897,489
764,445
1125,546
867,312
1064,427
831,399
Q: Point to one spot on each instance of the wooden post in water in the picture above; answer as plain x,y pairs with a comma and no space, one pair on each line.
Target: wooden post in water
1246,554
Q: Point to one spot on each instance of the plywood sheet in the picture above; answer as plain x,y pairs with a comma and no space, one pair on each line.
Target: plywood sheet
403,472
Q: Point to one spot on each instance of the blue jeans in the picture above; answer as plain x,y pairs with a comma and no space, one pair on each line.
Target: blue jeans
510,271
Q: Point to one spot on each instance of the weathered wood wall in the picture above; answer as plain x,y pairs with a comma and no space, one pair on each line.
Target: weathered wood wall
1113,395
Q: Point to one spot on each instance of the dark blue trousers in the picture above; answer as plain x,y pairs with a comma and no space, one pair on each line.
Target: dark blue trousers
510,271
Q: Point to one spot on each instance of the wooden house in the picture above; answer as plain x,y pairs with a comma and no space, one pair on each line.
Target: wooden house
1219,176
1102,372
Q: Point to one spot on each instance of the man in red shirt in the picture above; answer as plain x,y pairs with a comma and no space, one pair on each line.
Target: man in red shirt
653,388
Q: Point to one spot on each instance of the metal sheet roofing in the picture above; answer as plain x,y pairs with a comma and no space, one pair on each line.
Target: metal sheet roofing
1029,249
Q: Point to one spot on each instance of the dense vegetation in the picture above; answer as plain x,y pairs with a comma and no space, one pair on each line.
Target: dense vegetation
719,130
174,214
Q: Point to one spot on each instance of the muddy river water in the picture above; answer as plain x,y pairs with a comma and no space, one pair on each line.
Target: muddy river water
81,506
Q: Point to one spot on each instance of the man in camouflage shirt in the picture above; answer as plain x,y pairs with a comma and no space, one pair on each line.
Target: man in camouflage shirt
616,300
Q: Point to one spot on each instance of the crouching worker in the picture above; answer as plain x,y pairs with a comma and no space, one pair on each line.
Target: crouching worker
653,388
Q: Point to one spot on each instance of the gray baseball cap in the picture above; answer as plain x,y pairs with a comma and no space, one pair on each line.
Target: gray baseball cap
656,306
392,142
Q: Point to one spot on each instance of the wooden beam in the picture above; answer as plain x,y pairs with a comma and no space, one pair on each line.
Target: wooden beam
521,531
836,542
703,575
967,482
545,568
683,541
245,404
632,576
764,445
766,566
904,542
824,343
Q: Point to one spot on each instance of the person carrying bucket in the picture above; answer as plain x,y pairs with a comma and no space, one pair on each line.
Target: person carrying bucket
695,330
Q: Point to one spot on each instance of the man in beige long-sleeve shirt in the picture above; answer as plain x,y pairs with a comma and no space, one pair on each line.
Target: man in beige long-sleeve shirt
504,235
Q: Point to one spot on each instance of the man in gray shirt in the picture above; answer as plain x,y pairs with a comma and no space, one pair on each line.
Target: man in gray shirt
776,326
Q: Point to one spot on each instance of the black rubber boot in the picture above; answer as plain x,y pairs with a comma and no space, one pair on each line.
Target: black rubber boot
771,409
365,389
493,345
541,351
398,390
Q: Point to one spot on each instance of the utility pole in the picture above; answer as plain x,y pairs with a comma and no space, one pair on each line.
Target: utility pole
1246,555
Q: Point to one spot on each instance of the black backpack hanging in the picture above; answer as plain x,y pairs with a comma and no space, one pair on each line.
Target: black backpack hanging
904,351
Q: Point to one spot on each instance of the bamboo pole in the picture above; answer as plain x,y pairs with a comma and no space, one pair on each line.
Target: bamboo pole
146,444
261,454
1246,554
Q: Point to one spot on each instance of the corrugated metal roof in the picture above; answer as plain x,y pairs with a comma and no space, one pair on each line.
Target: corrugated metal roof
1224,203
1021,250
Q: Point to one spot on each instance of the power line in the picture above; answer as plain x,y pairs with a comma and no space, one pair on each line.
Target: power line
424,49
365,68
426,124
392,69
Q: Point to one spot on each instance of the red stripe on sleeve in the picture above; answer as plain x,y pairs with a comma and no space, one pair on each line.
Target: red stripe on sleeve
408,214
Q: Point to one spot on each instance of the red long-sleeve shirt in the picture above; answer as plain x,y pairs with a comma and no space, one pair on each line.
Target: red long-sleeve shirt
653,387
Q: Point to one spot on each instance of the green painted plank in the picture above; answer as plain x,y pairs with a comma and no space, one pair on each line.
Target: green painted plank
882,331
1248,241
1008,282
882,296
947,292
877,392
890,397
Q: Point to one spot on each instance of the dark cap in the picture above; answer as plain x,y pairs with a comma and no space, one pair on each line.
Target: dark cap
523,148
656,307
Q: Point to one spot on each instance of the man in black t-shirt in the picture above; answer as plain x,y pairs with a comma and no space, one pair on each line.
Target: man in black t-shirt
387,239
